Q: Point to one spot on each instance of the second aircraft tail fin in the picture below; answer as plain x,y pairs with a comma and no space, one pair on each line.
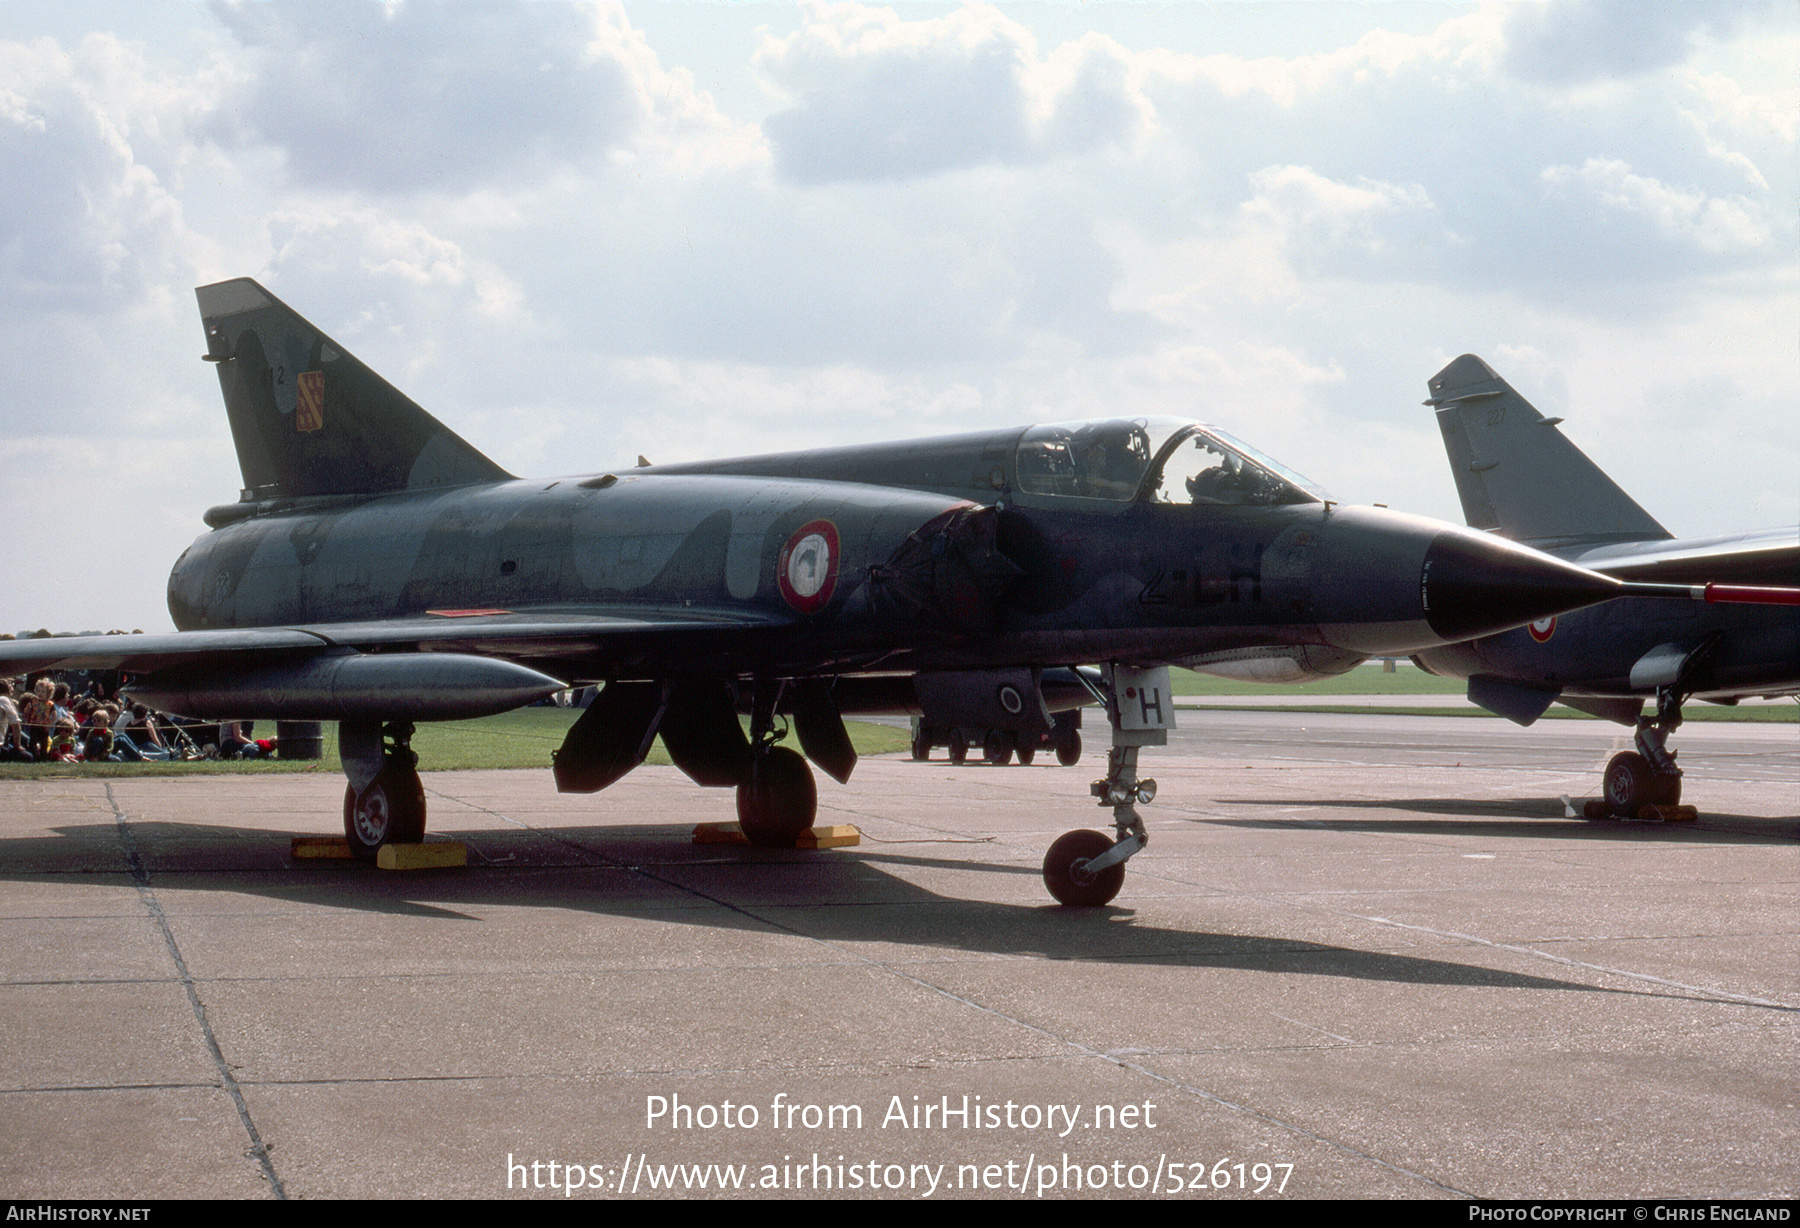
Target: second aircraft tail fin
1517,474
309,419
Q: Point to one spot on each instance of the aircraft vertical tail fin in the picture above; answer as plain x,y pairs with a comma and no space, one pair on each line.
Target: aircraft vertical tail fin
309,419
1517,474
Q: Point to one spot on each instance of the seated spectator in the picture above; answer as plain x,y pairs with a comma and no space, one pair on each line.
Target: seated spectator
13,746
234,743
65,745
139,737
97,745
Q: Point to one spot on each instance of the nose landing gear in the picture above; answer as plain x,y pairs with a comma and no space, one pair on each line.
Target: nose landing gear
1084,869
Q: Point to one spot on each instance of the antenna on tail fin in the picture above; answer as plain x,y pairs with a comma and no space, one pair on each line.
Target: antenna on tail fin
309,419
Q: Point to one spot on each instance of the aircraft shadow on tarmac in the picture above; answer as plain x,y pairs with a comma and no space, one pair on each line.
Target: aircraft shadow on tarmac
649,873
1519,816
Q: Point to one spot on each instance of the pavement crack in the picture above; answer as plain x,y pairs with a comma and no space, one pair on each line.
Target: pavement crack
147,894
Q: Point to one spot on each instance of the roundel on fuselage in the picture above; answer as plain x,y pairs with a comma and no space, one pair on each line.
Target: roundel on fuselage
806,573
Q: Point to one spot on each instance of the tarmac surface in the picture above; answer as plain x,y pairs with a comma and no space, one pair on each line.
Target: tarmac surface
1363,956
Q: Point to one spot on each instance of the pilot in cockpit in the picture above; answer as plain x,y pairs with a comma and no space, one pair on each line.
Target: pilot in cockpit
1219,482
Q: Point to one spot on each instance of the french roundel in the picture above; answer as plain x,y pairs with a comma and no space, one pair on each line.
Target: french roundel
1543,629
807,569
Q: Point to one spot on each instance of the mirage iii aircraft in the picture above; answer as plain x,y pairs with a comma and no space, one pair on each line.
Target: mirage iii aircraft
1521,478
378,571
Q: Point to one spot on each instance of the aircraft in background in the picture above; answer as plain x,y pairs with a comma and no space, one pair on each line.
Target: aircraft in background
1520,478
377,570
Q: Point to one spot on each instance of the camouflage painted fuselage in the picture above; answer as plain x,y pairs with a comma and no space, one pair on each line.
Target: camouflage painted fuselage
919,580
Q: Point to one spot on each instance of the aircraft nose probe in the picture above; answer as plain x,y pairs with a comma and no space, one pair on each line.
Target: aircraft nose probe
1714,594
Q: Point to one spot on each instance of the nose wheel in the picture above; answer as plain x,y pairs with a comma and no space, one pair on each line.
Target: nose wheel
1632,783
1069,873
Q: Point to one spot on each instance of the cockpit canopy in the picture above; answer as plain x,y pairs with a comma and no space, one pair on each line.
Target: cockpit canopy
1155,460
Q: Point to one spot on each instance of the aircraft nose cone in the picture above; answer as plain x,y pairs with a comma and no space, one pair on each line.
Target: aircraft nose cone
1473,585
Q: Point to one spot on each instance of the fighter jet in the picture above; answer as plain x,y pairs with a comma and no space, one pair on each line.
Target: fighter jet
1520,478
377,570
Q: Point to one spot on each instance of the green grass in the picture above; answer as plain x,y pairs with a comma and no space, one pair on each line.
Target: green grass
521,739
1760,714
1407,679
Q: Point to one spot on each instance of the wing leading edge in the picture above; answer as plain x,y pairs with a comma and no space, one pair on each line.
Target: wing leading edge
1771,556
452,665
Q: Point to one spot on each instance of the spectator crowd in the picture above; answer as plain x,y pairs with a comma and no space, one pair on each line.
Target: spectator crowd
82,718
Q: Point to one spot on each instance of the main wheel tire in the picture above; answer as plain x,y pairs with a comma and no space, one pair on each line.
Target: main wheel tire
1067,876
997,747
921,744
777,805
390,811
959,746
1027,754
1631,783
1068,747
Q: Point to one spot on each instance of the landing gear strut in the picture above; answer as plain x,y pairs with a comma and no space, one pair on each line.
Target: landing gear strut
1084,869
384,803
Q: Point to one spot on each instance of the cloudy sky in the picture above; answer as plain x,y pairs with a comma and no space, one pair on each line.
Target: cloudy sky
579,232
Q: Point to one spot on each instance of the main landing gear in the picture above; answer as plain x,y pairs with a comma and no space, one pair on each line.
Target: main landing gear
777,805
777,801
384,803
1085,869
1645,783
